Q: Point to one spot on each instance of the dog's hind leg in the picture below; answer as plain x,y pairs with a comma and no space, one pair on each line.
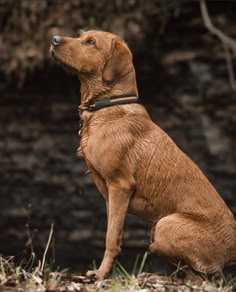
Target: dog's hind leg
180,237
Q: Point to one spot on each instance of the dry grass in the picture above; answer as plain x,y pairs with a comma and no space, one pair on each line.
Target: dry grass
26,276
31,274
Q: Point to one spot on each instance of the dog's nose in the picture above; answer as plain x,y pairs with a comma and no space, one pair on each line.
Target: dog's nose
56,40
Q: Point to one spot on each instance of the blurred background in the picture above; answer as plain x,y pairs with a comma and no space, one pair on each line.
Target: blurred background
183,81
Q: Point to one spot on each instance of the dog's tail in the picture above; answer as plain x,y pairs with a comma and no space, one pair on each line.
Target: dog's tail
234,252
231,258
233,255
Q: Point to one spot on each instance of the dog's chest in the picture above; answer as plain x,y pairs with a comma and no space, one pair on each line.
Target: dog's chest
83,133
83,142
88,145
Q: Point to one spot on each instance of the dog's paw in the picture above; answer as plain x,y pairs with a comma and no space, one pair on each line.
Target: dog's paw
96,273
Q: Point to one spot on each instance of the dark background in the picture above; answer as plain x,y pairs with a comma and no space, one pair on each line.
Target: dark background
183,82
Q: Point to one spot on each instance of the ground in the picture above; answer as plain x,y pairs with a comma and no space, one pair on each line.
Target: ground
24,277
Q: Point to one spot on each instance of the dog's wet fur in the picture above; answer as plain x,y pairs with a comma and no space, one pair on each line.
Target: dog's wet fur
139,169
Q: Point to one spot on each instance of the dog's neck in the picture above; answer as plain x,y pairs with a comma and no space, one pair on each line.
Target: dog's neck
94,89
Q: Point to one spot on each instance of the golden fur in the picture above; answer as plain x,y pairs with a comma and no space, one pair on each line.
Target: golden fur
139,169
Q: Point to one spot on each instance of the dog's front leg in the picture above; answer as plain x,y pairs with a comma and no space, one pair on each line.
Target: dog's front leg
119,194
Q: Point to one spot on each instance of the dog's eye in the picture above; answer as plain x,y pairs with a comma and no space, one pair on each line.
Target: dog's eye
90,42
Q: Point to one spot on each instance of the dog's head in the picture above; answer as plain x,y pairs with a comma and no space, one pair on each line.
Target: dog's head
94,53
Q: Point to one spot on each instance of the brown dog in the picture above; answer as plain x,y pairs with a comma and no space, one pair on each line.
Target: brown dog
137,167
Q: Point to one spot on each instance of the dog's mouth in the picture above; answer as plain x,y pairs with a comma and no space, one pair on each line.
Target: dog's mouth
54,56
67,67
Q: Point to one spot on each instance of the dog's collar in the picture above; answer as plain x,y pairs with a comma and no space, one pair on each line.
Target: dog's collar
114,100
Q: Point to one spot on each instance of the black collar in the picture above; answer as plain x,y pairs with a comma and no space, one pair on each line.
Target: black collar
114,100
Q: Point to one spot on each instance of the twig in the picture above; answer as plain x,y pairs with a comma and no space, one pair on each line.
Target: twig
30,234
46,249
227,42
207,21
230,67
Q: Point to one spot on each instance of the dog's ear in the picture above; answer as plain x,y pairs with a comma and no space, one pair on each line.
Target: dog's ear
119,64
